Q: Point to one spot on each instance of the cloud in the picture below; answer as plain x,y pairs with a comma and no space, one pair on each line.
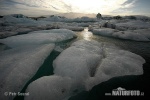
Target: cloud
126,8
62,6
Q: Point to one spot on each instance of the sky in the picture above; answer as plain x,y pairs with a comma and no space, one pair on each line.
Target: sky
49,7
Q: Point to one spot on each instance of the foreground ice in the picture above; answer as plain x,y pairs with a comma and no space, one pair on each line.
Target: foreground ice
82,66
18,65
50,88
39,37
137,35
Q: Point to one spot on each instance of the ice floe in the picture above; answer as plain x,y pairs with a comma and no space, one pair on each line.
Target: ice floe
82,66
19,65
39,37
137,35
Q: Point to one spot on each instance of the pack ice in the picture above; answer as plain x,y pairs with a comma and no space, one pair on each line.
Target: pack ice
137,35
82,66
39,37
18,65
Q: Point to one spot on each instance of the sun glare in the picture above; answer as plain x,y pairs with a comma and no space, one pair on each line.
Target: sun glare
83,5
94,6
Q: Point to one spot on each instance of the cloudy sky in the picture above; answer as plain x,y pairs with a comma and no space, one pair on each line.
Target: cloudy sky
48,7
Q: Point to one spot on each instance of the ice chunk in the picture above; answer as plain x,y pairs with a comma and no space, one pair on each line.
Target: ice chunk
116,63
145,32
84,19
82,66
21,20
82,55
23,30
5,34
137,35
18,65
39,37
90,63
132,25
3,47
131,35
11,32
104,31
54,19
50,88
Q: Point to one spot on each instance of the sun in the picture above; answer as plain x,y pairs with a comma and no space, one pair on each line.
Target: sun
84,5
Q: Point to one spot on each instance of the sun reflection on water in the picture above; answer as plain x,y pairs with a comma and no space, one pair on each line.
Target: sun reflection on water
87,35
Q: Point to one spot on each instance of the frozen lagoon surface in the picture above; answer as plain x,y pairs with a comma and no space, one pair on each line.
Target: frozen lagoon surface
85,64
99,60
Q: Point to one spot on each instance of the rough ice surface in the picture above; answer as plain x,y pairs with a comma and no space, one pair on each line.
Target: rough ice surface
82,66
116,63
50,88
132,25
55,19
39,37
3,47
137,35
7,34
93,56
13,20
63,19
70,26
18,66
84,19
78,61
104,31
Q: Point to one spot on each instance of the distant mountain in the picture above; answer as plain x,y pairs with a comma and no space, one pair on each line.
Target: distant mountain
75,15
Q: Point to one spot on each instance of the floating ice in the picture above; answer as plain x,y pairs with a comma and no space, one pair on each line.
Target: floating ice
84,19
85,60
132,25
39,37
18,65
116,63
7,34
137,35
82,66
104,31
21,20
50,88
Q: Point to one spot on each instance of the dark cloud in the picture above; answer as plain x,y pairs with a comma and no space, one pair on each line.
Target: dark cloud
140,7
56,6
128,2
